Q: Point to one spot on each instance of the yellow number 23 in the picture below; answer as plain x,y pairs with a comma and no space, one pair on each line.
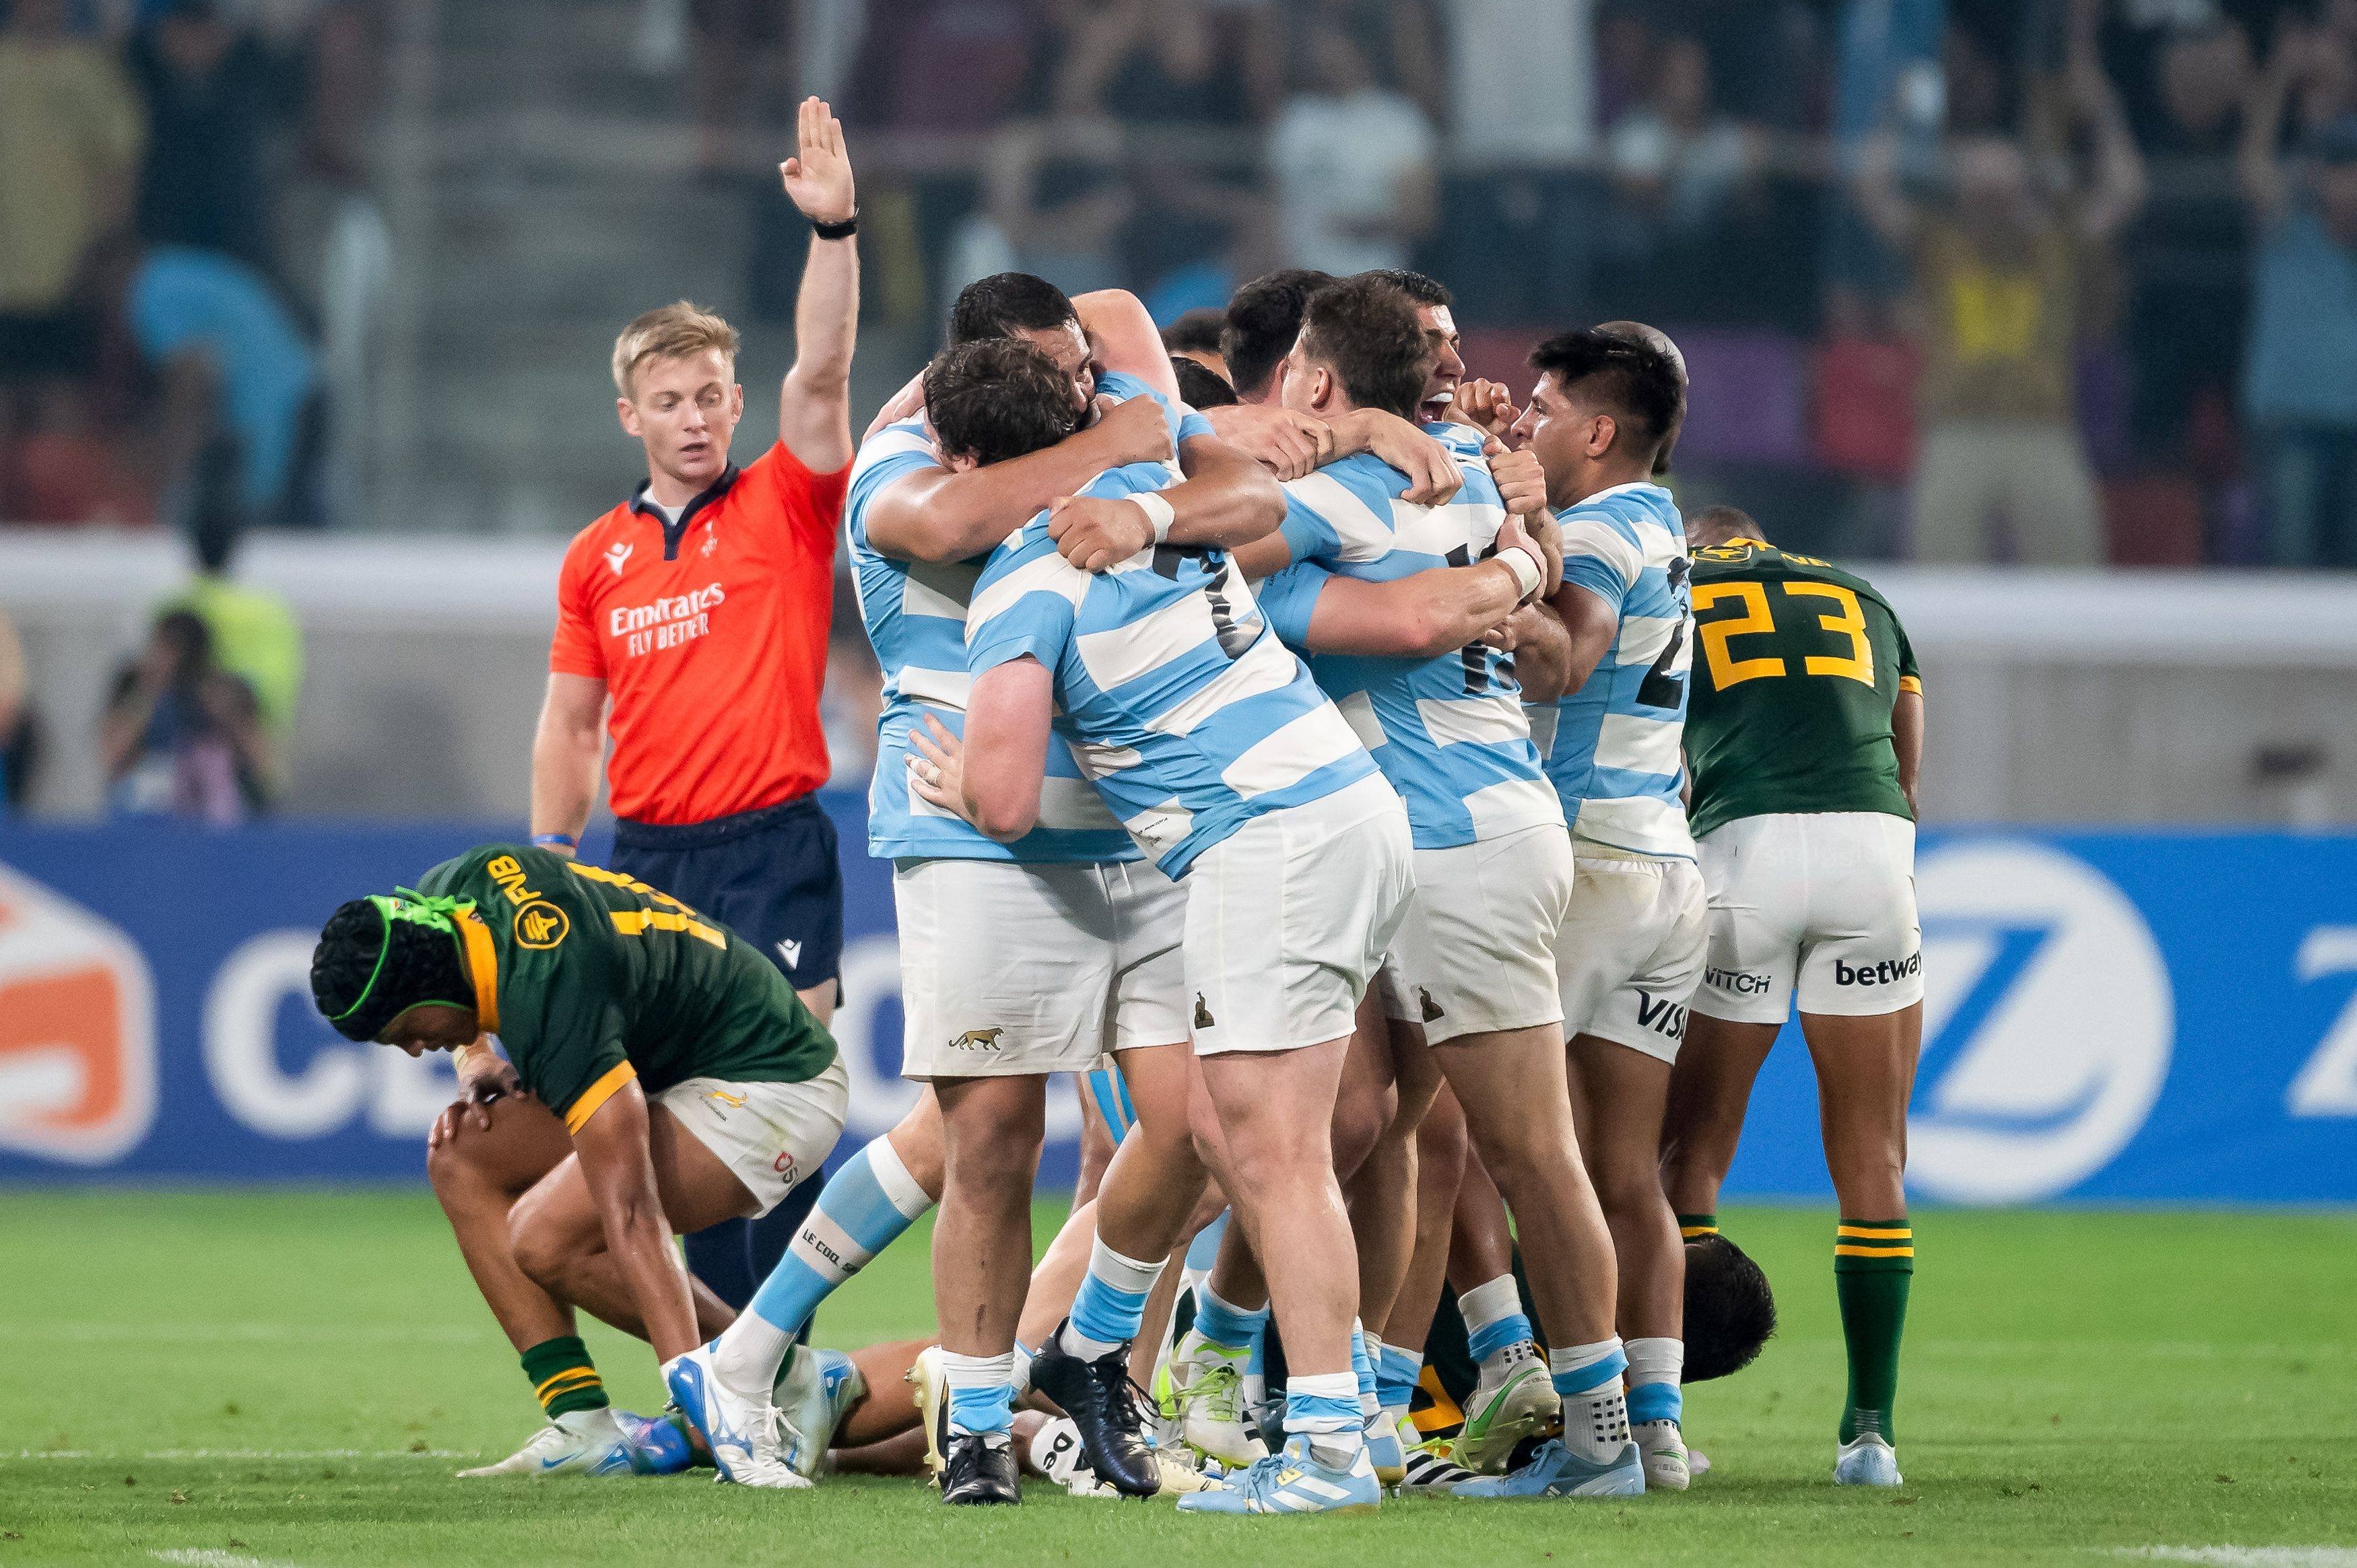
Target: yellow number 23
1848,620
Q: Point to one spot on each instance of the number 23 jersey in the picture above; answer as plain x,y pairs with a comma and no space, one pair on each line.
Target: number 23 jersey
1798,666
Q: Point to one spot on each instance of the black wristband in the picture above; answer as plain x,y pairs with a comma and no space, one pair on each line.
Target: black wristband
842,231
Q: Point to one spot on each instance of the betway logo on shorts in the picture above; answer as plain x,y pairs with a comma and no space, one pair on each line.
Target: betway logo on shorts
1883,974
2048,1023
77,1030
667,622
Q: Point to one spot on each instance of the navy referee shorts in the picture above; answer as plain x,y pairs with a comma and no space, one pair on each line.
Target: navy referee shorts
771,877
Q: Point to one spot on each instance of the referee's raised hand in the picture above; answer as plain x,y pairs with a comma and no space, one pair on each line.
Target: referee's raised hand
818,178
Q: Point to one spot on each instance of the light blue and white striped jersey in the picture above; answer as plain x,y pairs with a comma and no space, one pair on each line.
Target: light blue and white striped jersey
1450,732
1181,707
915,617
1612,746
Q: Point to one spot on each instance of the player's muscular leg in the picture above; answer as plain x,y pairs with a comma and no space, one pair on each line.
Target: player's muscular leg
1156,1177
1439,1168
982,1239
1056,1279
1617,1097
478,1173
560,1240
1383,1191
1710,1090
1481,1242
1517,1105
1275,1109
1864,1075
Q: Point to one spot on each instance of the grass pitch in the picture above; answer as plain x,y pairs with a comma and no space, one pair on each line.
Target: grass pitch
230,1379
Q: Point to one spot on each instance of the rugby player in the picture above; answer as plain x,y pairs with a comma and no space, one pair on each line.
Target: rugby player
1803,737
1366,575
997,1001
662,1075
699,609
1630,952
1210,743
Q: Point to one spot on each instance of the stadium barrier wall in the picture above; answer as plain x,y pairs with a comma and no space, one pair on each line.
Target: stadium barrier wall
2137,1017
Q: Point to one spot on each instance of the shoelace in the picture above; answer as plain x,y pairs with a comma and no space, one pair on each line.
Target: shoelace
1219,1389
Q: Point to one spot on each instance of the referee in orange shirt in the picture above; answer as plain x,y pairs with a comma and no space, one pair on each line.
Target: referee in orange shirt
699,609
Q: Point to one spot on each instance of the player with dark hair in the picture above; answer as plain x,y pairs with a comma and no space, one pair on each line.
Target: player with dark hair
668,1079
1803,738
1263,318
1196,336
1433,312
1629,950
1199,388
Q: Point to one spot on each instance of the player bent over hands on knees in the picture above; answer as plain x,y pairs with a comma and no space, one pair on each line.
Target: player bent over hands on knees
661,1077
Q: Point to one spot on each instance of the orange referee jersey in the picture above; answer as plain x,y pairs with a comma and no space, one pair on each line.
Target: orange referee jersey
710,634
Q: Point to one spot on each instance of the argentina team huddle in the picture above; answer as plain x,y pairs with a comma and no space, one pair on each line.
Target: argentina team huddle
1405,829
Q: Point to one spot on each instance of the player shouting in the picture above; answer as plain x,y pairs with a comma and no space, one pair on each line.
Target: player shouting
1804,735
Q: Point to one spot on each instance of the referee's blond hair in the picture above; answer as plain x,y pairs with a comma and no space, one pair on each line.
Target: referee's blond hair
672,332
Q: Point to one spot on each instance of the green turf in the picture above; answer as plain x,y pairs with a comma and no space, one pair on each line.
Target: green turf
291,1379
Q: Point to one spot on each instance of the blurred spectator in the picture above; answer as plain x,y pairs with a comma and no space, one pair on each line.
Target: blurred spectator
1196,336
946,66
2300,386
70,141
15,713
1398,37
1354,163
2000,271
1157,62
212,94
2189,248
1054,202
1537,56
1201,386
243,413
180,737
254,631
1676,159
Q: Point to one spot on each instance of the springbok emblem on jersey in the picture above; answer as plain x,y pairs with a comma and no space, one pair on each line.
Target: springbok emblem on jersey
977,1040
618,554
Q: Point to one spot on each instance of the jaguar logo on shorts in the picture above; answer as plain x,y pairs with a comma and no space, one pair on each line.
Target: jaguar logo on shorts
1427,1006
977,1040
541,925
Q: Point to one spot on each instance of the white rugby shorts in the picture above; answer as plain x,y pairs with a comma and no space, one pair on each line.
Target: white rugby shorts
1288,919
1009,969
1817,903
770,1135
1629,953
1476,954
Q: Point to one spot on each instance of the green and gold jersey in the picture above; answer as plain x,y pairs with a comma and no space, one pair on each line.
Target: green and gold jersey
1797,666
590,978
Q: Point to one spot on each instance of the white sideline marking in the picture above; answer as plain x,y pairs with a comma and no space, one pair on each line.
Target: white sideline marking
288,1453
207,1557
2251,1556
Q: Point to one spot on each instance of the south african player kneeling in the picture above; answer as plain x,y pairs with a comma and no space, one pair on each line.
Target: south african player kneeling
660,1075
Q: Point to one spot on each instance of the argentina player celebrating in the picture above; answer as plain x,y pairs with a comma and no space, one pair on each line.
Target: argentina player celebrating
1630,951
1474,972
1009,952
1229,767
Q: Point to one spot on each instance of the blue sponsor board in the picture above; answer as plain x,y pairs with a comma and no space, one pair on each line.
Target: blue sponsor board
2108,1016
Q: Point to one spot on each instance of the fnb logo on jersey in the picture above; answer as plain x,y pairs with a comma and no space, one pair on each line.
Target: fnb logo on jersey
667,622
2048,1024
77,1030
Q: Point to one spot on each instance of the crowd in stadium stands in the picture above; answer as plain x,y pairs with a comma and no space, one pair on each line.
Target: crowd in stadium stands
179,205
1962,280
